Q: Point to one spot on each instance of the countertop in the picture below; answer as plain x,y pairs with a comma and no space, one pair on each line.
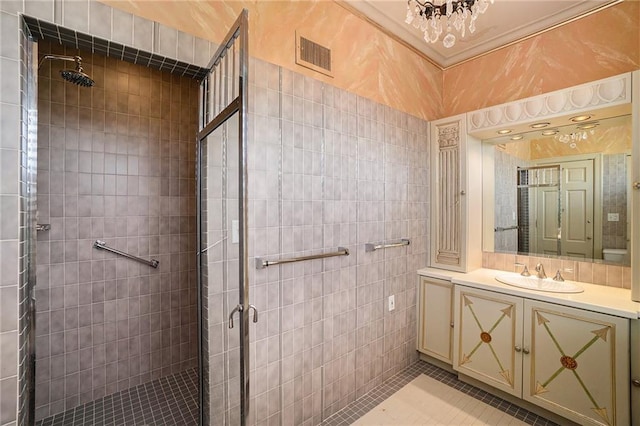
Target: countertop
597,298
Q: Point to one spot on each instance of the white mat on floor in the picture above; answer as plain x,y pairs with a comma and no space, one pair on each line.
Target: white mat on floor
426,401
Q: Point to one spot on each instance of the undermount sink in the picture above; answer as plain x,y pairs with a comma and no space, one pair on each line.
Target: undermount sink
539,284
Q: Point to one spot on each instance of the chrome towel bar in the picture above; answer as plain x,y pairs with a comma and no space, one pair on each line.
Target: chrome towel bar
373,247
101,245
261,263
507,228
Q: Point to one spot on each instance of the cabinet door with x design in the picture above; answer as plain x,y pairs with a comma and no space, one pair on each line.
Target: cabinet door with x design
578,364
488,326
573,362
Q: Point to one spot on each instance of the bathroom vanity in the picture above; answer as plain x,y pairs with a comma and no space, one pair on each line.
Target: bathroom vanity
575,354
568,353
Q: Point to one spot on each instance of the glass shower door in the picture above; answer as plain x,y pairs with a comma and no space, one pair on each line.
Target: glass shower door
222,231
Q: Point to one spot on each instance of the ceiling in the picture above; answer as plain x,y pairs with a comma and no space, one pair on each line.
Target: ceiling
504,22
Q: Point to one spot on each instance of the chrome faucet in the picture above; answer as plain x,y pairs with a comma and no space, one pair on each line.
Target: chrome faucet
540,271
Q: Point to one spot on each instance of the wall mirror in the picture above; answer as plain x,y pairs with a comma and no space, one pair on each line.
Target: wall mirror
563,190
558,184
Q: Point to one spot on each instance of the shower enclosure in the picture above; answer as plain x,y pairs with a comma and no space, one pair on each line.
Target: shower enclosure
141,250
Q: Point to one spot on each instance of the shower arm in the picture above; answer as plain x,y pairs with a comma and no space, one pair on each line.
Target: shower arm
76,59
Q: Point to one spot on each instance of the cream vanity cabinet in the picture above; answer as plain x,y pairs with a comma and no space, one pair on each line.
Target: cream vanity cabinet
435,330
570,361
456,188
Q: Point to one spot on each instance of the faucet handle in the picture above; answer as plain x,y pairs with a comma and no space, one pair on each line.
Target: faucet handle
558,276
525,272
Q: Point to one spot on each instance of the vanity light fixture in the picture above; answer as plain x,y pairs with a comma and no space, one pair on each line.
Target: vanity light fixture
549,132
580,118
517,137
504,131
434,17
539,125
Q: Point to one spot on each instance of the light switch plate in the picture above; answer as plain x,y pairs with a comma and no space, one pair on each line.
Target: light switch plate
235,232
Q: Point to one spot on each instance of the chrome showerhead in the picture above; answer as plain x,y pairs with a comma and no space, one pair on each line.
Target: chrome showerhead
76,76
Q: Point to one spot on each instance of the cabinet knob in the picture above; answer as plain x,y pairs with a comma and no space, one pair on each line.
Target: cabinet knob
636,382
525,351
451,324
463,192
518,349
636,185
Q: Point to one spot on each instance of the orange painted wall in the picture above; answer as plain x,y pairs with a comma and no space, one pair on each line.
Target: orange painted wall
594,47
373,65
366,61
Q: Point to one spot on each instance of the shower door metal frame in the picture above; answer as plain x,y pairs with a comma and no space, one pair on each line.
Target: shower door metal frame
238,33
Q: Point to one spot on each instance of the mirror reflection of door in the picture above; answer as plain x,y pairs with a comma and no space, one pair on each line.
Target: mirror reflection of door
576,212
561,208
547,226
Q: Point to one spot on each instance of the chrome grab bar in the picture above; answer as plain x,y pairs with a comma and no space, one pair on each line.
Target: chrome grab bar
373,247
261,263
101,245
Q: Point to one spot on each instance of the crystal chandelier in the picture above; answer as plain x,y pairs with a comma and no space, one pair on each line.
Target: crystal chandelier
433,18
573,138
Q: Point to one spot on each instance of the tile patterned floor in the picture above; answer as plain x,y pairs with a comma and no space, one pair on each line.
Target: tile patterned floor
359,408
171,400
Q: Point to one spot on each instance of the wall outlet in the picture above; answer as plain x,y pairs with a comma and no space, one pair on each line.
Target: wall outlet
613,217
392,302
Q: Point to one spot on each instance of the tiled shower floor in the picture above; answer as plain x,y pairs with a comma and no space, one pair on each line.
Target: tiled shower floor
171,400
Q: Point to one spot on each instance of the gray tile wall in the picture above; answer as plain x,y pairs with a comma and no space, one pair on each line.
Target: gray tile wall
614,200
13,206
115,163
329,169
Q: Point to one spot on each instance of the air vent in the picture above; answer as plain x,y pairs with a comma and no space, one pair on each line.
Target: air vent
312,55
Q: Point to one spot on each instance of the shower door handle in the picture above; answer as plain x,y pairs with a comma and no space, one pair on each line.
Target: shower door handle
255,313
238,308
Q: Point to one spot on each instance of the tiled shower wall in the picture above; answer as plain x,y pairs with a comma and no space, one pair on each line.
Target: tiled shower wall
330,169
614,200
115,163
